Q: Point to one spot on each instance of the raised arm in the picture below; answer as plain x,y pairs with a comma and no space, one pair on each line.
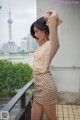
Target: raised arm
53,21
53,36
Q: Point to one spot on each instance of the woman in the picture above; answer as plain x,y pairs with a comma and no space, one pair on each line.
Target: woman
44,30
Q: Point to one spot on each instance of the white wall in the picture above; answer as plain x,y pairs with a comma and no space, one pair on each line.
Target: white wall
67,79
67,59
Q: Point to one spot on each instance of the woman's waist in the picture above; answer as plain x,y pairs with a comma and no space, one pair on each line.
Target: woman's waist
38,72
41,75
40,69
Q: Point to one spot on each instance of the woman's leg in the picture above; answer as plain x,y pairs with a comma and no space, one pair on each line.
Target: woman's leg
50,111
37,110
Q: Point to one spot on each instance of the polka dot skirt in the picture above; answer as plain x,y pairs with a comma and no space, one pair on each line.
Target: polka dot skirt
45,90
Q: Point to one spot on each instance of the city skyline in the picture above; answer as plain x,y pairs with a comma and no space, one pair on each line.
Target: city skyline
26,45
23,15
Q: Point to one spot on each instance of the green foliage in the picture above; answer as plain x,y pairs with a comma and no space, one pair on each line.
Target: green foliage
14,76
3,93
6,93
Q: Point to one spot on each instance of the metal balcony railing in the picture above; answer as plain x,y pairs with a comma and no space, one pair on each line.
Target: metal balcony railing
25,103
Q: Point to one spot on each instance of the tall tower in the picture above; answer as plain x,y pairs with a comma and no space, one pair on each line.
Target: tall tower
10,42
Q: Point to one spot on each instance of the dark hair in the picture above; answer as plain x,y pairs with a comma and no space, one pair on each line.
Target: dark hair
40,24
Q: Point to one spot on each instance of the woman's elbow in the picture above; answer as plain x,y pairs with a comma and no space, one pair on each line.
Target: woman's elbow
57,45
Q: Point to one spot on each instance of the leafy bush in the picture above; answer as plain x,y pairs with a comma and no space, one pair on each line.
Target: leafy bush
3,93
14,76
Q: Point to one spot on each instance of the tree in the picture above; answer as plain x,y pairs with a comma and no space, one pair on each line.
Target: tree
23,74
14,76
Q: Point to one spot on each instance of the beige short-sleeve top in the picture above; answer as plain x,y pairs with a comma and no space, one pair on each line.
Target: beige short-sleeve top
42,58
44,54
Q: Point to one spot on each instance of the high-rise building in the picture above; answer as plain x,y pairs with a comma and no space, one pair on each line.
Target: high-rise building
5,48
28,44
32,45
23,46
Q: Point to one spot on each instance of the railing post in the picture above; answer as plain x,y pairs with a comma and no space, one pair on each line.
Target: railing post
28,111
23,104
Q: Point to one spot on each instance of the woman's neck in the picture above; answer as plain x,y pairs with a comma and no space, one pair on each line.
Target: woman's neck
43,42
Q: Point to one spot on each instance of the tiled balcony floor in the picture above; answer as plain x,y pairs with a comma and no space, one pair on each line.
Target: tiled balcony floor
65,112
68,112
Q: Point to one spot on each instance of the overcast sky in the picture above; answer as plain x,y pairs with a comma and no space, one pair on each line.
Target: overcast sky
23,15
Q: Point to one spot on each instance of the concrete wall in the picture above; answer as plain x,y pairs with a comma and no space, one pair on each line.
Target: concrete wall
66,64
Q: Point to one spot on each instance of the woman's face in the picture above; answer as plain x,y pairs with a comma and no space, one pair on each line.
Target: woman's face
39,34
